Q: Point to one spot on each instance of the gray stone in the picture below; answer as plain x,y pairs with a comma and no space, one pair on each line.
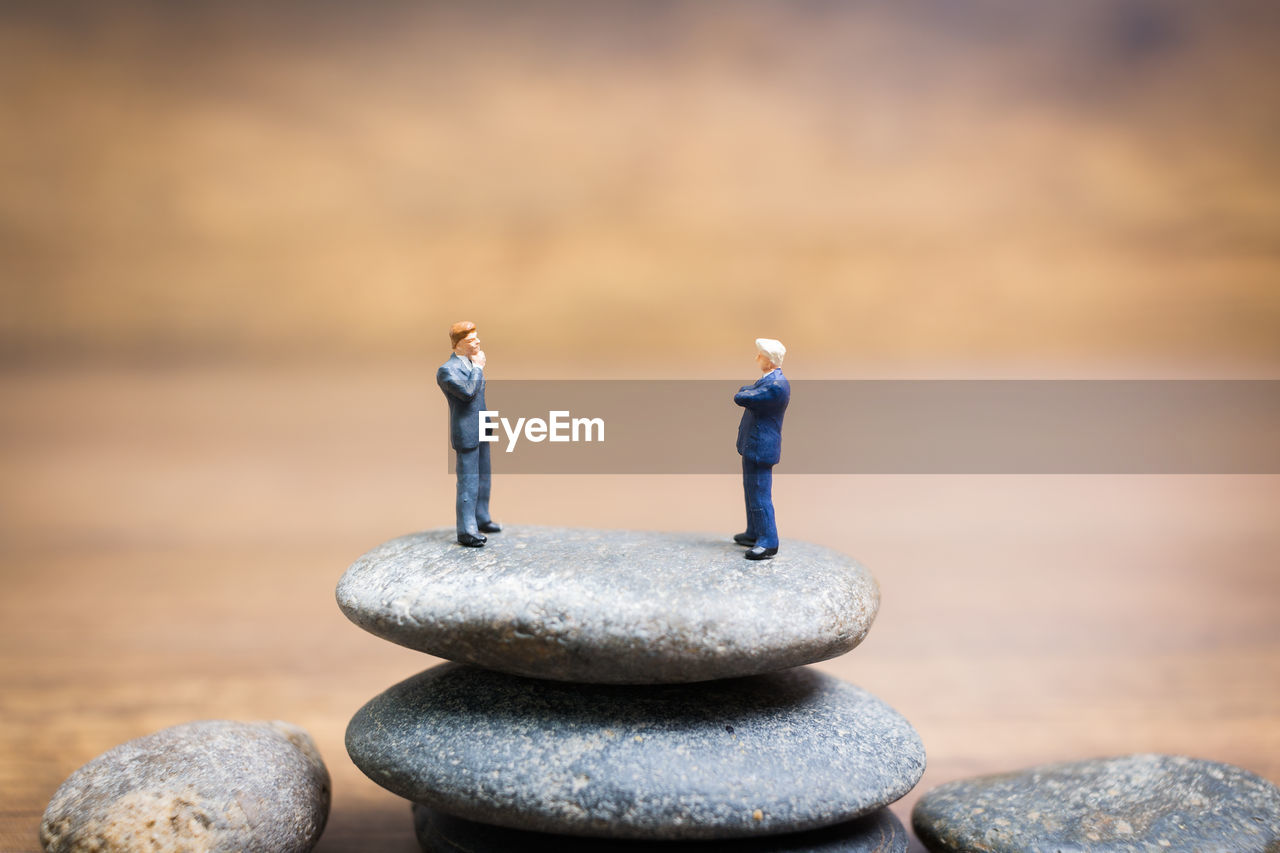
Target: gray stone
1119,805
611,606
781,752
213,786
878,832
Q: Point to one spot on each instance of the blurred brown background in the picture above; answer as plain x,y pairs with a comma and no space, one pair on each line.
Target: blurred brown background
906,180
232,238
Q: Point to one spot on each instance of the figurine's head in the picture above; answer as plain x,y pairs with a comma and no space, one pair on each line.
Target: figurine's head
769,353
462,335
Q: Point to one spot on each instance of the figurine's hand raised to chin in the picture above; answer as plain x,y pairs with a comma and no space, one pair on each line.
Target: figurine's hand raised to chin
478,359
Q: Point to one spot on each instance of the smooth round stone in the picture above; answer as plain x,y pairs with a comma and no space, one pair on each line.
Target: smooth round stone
611,606
1119,805
879,832
214,786
781,752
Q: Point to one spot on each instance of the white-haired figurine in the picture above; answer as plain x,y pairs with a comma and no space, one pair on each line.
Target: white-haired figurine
760,443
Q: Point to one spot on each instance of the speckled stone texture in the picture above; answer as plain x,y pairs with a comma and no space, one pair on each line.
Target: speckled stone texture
782,752
213,786
878,832
610,606
1119,805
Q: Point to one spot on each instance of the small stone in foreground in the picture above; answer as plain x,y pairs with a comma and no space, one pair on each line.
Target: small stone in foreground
879,832
781,752
611,606
1118,805
213,786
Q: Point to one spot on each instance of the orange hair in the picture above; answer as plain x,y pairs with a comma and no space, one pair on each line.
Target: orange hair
460,330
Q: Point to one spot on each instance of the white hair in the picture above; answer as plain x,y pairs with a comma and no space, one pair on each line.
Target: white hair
772,350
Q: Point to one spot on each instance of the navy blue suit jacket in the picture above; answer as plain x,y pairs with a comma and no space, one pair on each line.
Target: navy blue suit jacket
764,404
463,385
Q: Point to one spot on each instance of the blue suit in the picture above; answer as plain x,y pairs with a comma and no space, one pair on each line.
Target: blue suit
760,443
463,386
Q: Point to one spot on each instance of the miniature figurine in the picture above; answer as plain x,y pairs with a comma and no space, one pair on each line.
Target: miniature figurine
462,380
760,443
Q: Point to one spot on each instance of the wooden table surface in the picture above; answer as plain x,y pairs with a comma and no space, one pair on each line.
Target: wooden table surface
170,540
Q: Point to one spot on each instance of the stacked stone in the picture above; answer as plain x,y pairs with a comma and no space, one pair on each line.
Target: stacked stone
612,686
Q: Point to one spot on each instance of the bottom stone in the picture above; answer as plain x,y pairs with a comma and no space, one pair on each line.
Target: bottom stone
879,832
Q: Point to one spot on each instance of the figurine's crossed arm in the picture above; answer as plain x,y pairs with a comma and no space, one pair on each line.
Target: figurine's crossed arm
759,396
464,388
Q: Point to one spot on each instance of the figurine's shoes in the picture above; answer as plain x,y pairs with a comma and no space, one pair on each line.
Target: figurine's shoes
490,527
471,540
760,553
744,539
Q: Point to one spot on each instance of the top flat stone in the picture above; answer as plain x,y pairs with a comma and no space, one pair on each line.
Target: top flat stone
611,606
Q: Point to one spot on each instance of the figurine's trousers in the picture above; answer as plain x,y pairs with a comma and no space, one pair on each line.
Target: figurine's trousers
473,488
757,485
